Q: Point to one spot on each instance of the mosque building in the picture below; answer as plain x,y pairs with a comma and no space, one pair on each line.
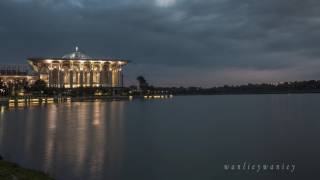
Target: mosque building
79,70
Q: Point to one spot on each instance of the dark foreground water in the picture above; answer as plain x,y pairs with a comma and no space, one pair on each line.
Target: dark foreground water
187,138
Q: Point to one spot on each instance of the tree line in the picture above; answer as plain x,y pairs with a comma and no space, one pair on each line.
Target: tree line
16,88
312,86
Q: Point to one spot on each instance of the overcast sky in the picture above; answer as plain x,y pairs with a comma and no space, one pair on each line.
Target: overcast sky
172,42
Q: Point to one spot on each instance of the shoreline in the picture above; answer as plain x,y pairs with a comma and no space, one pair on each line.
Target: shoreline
57,99
9,170
49,99
248,93
21,99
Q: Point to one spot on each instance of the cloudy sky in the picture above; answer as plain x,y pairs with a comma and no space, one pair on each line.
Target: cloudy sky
172,42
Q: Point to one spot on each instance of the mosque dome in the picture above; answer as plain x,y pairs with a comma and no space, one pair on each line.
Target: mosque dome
76,55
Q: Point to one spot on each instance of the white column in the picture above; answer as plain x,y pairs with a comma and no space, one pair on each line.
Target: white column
81,78
115,78
71,73
50,75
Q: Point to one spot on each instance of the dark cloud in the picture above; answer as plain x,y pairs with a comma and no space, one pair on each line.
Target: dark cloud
183,42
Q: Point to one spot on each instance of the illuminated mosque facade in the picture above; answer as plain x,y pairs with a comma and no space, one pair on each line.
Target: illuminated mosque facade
79,70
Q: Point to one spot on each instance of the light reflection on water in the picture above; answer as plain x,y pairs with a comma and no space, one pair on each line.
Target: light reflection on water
81,136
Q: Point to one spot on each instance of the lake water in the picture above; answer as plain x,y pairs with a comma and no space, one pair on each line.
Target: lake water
186,137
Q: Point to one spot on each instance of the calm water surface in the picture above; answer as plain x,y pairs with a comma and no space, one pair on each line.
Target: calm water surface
187,138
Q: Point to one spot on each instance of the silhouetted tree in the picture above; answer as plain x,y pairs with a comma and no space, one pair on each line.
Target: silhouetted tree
143,85
39,85
1,83
3,88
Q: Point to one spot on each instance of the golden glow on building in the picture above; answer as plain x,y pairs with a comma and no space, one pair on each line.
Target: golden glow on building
79,70
14,73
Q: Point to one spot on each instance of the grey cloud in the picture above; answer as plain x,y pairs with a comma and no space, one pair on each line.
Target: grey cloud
200,36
